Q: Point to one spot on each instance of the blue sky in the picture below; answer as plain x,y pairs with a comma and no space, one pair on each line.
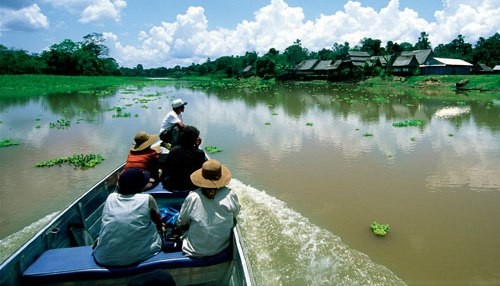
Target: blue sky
171,32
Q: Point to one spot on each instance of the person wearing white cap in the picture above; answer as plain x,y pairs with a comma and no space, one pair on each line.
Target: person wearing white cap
209,212
172,124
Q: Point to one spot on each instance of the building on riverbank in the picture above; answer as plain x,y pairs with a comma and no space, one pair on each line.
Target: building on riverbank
443,66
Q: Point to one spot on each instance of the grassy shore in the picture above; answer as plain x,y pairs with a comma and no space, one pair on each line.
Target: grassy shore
34,85
442,82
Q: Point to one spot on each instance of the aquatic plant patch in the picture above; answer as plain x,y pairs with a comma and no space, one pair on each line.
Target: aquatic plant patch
380,229
60,124
78,161
8,142
212,149
409,122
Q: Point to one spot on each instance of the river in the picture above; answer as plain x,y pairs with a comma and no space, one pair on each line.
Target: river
313,166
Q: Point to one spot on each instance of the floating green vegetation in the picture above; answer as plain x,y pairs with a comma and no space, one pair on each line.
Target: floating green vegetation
212,149
119,113
451,135
78,161
267,123
8,142
409,122
60,124
274,113
413,139
367,134
309,124
38,126
380,229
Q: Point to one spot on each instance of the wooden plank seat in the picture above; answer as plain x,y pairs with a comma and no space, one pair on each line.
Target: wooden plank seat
77,263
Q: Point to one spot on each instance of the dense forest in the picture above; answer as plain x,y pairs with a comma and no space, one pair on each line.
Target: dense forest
91,57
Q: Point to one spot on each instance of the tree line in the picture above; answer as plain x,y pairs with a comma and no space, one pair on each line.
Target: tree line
90,57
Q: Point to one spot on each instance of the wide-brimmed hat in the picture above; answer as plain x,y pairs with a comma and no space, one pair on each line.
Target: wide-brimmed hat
176,103
132,181
212,175
143,140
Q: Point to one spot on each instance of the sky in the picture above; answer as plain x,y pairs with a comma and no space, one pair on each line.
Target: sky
166,33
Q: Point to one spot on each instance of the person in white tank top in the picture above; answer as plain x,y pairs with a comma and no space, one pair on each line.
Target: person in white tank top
130,223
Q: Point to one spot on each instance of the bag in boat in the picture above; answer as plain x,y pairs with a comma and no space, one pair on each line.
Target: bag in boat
172,236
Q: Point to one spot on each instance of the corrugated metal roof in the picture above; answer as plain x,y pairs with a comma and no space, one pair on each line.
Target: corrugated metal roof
336,64
358,54
421,55
453,62
324,65
247,69
403,61
307,64
484,67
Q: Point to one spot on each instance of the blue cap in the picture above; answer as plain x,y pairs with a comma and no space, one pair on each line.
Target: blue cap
132,181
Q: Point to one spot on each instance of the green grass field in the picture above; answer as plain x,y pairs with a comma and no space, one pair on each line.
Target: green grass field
35,85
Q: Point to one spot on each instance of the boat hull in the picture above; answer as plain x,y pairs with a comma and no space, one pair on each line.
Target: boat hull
79,225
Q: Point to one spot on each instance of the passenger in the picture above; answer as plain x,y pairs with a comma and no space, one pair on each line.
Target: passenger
143,156
183,160
130,223
209,212
172,124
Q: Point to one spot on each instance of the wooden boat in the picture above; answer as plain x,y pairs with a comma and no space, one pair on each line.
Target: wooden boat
61,253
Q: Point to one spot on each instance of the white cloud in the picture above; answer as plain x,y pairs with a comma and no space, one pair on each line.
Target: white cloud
26,19
277,25
471,18
103,9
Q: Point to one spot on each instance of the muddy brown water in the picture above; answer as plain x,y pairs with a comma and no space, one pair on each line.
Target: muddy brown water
314,167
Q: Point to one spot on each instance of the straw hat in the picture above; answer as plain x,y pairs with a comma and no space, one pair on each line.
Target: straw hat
212,174
143,140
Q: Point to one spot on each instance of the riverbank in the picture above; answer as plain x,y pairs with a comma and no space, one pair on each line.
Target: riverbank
34,85
489,82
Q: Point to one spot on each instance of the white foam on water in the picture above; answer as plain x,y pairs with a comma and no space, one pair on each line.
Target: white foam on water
11,243
285,248
452,111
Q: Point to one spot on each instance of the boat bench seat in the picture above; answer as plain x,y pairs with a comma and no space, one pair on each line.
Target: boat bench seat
77,263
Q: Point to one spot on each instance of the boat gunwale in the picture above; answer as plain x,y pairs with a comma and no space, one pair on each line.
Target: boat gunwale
60,213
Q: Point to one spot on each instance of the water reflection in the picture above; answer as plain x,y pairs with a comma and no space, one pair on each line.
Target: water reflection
331,153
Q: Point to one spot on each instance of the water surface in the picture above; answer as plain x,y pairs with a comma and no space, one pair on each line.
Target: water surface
314,167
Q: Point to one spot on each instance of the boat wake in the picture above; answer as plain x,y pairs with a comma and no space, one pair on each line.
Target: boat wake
11,243
284,248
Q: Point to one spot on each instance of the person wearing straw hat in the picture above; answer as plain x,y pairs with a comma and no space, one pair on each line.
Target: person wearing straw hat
143,156
172,124
209,212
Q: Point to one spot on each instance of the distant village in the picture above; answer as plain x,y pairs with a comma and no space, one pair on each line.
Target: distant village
416,62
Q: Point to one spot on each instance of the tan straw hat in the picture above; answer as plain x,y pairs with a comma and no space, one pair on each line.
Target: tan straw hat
212,175
143,140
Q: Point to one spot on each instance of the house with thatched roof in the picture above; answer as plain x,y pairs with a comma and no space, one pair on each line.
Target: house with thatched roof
247,71
358,58
481,69
380,61
405,65
442,66
422,56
